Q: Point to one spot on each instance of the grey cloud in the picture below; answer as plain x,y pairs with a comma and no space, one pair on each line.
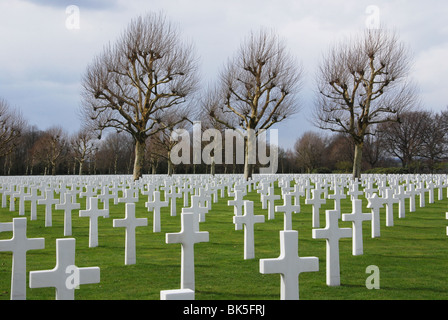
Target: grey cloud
88,4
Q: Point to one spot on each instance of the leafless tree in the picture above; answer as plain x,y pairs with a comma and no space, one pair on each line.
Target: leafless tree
11,126
134,83
403,139
361,82
257,88
83,146
309,149
51,147
434,138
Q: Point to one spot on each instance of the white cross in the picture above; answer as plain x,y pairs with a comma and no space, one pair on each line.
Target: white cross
354,191
93,213
128,196
332,233
248,220
412,193
357,217
389,201
65,277
421,189
198,211
316,202
287,208
289,265
271,197
33,197
297,193
173,195
49,201
21,194
375,203
401,197
237,204
187,237
68,205
89,193
337,197
130,222
155,206
19,245
105,197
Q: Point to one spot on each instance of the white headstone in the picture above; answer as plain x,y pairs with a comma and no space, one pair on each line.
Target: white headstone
316,202
155,205
357,217
271,197
33,197
130,222
93,213
49,201
287,208
188,237
68,206
332,233
19,245
289,265
248,220
66,276
177,294
375,203
237,203
389,201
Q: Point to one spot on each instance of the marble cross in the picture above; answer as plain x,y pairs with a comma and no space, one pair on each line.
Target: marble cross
19,245
188,237
289,265
248,220
332,233
65,277
130,222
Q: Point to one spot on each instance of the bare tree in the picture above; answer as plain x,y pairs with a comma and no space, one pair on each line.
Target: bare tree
133,84
257,88
51,147
11,126
434,138
83,146
310,148
362,82
403,139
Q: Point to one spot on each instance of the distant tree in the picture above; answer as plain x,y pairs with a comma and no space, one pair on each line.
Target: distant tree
310,150
11,126
434,139
135,83
82,145
256,89
404,139
51,148
362,82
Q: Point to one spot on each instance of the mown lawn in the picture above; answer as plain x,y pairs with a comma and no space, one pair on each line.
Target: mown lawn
412,256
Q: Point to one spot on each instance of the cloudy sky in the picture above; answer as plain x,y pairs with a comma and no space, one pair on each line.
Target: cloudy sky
43,52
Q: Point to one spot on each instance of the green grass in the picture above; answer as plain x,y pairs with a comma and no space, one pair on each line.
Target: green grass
411,256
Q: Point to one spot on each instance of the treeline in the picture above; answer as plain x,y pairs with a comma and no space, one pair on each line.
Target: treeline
416,144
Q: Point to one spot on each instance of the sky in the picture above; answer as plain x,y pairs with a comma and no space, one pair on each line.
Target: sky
46,45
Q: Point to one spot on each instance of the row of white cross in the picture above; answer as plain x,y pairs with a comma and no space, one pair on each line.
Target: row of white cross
201,190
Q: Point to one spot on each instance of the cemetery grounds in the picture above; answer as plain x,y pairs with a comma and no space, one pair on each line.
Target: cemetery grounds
411,256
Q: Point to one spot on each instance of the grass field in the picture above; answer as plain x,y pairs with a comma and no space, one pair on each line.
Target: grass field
412,256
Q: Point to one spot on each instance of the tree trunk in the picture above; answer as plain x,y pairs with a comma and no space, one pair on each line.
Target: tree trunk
139,163
80,167
357,163
248,155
